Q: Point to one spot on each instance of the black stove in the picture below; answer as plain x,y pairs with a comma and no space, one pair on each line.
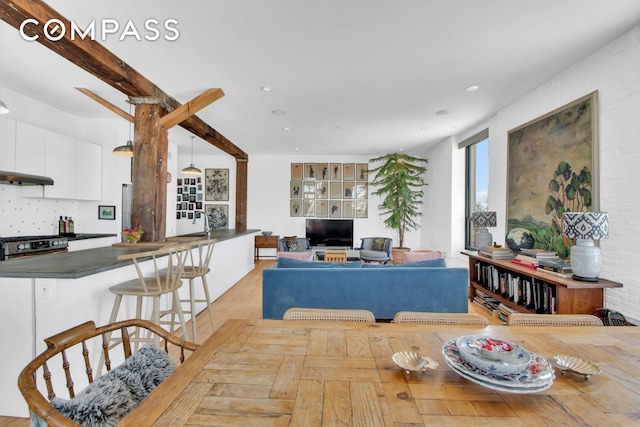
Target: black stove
22,246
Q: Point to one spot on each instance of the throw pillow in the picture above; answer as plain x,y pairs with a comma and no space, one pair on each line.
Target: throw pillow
292,243
109,398
378,244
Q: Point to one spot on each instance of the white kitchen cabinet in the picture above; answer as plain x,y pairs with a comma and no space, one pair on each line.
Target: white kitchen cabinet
88,178
30,149
7,144
60,165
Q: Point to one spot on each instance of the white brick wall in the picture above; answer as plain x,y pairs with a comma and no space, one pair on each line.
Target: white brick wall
614,71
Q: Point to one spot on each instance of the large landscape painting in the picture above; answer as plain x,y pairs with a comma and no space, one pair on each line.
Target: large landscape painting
552,169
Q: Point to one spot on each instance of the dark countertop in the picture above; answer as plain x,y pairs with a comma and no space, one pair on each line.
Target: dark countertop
73,265
84,236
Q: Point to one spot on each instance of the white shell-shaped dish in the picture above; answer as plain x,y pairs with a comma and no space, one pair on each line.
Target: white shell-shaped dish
575,364
412,361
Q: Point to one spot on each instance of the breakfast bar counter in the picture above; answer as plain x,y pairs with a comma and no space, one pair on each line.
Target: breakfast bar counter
43,295
74,265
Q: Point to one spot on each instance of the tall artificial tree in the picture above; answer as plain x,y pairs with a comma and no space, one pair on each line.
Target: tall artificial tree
399,181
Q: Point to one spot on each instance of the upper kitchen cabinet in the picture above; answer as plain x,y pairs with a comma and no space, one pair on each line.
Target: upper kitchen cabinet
7,144
75,166
60,165
88,171
30,149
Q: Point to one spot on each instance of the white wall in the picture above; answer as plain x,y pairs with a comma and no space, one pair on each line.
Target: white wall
614,71
268,199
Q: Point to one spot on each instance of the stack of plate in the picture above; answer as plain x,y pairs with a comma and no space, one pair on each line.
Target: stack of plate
518,371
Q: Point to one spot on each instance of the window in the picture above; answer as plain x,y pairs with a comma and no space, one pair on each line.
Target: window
476,180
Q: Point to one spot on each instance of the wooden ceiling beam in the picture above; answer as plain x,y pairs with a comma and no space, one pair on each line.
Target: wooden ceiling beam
107,104
94,58
187,110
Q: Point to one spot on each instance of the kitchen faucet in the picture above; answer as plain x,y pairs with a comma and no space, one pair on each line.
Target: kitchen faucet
207,226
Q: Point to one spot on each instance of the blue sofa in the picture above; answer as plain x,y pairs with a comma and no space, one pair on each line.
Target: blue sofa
384,290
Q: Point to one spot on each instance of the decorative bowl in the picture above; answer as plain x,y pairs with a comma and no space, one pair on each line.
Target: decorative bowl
492,349
267,233
509,363
412,361
577,365
133,235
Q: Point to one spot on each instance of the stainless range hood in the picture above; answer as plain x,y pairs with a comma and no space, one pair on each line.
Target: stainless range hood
16,178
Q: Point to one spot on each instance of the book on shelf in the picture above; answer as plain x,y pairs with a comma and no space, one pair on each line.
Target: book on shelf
565,274
558,265
496,253
539,253
525,263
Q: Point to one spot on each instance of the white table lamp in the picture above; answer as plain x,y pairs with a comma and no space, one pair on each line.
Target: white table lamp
482,220
586,257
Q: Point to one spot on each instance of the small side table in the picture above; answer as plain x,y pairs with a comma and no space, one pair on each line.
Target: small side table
265,242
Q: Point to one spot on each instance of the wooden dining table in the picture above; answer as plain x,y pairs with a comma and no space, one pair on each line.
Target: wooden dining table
287,373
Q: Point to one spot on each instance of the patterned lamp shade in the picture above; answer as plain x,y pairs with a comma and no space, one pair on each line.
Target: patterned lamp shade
585,225
484,219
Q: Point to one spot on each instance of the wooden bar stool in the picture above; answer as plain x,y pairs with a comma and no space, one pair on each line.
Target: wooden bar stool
163,281
194,269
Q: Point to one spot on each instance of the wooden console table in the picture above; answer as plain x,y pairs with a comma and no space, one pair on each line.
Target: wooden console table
265,242
570,296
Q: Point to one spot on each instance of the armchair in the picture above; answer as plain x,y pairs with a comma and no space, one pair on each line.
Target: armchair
376,249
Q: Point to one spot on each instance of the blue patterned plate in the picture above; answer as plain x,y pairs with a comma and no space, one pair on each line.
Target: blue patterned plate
538,374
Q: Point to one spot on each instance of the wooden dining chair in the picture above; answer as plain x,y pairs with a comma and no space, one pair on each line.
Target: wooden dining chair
529,319
66,364
440,318
335,255
335,315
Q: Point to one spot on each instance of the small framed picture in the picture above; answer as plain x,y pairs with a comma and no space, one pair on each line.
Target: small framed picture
296,171
189,215
179,181
348,209
323,171
335,190
335,171
362,209
362,173
295,207
309,207
310,171
295,190
348,190
322,209
335,210
106,212
349,172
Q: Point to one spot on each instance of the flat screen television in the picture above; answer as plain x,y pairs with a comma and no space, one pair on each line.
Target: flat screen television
330,232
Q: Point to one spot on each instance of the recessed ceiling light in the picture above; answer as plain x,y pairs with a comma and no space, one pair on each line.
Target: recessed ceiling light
295,148
266,88
424,128
286,128
442,112
278,112
471,88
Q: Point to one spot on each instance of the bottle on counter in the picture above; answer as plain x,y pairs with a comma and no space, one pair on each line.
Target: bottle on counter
61,230
70,229
66,225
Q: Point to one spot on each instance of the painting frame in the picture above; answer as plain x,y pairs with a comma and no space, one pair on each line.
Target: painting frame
216,184
217,215
107,212
552,167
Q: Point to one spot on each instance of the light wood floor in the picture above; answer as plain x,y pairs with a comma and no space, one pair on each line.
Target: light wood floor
242,301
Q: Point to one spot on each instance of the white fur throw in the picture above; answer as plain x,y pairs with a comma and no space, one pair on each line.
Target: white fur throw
108,399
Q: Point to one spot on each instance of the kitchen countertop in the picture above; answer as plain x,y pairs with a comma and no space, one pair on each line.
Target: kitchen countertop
73,265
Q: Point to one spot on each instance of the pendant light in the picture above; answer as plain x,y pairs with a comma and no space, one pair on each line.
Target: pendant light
192,170
125,150
3,108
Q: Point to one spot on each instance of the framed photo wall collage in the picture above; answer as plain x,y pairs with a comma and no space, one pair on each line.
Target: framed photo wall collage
329,190
192,193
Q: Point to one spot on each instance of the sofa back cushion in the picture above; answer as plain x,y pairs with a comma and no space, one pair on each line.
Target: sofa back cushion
420,264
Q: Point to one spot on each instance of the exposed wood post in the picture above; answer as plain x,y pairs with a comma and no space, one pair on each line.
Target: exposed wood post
241,193
149,173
